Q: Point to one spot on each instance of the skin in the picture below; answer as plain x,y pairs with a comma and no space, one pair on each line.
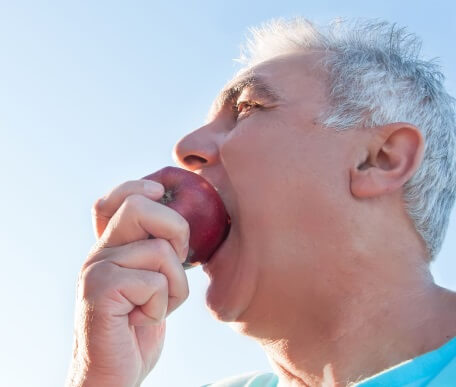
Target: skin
127,286
322,266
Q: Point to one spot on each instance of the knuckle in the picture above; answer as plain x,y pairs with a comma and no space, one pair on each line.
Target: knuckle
184,227
185,292
98,252
161,282
184,289
163,247
94,276
91,259
90,273
134,202
98,206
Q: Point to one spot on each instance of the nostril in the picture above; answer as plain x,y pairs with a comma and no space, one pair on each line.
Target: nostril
193,160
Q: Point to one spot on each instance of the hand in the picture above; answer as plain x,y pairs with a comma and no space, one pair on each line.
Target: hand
127,286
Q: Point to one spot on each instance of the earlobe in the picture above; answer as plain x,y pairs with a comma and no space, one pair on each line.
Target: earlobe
394,153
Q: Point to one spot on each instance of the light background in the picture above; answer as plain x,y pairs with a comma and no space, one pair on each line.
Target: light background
94,93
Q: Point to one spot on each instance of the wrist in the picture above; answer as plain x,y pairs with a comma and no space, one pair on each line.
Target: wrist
91,380
85,377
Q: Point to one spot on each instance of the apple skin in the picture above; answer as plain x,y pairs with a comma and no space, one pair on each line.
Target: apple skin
198,202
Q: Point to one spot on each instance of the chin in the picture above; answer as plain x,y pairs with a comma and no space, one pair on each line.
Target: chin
220,310
231,282
224,295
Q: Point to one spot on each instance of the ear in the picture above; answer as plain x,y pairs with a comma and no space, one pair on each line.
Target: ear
394,153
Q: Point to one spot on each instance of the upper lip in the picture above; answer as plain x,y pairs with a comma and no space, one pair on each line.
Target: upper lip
219,191
224,200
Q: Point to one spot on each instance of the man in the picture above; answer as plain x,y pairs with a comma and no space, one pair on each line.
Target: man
334,151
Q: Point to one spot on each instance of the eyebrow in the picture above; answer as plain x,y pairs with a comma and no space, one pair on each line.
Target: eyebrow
256,83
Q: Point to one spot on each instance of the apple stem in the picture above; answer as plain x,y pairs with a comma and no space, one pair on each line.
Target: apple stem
167,197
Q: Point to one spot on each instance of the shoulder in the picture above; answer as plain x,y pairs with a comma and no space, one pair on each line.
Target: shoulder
251,379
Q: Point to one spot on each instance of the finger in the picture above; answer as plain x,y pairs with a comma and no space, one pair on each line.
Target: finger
155,255
139,217
149,294
117,291
105,207
151,341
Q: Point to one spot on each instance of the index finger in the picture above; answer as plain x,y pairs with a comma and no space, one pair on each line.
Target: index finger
138,217
105,207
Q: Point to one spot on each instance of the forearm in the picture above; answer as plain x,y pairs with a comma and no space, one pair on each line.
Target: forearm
80,374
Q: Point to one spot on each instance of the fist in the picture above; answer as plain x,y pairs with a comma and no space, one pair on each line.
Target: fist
127,286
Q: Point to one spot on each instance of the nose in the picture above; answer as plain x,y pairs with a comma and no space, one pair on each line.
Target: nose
197,149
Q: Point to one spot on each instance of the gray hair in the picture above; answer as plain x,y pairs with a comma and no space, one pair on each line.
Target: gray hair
378,77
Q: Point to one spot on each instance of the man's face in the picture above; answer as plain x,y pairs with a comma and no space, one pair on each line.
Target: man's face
284,180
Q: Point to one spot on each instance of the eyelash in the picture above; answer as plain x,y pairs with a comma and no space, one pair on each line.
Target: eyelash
238,105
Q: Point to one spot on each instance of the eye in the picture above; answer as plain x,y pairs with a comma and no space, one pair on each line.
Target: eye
244,107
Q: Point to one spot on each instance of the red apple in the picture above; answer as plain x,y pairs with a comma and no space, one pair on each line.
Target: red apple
200,204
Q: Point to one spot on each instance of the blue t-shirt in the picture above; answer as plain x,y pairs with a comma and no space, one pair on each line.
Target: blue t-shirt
433,369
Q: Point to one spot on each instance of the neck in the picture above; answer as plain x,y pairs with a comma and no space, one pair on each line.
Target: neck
380,325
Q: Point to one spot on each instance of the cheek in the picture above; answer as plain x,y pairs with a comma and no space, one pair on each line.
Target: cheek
265,156
287,178
254,150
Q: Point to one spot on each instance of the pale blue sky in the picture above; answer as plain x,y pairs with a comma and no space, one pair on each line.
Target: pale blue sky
93,93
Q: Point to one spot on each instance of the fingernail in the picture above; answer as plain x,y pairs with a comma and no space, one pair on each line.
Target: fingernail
152,187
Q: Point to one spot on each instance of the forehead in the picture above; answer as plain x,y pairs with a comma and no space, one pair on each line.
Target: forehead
283,77
289,66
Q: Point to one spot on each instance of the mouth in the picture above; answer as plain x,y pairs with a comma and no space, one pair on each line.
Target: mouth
207,265
228,220
229,214
225,203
